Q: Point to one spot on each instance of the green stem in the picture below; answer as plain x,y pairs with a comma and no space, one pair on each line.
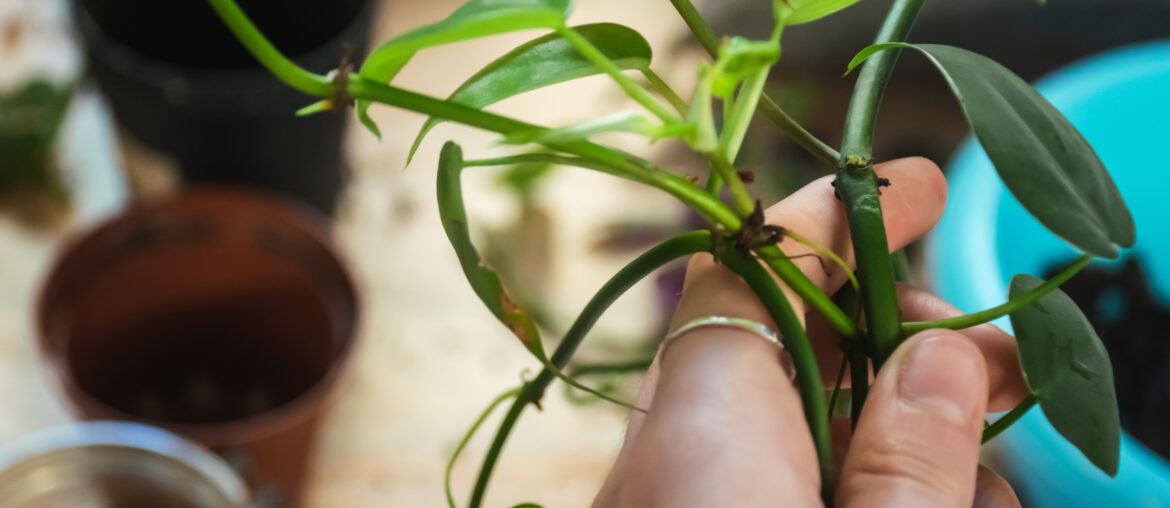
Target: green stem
902,272
613,161
602,369
812,295
739,195
984,316
858,377
699,27
840,381
808,375
493,454
1007,420
663,89
632,89
855,353
857,139
734,130
710,42
705,204
824,251
267,54
797,133
593,369
669,250
714,181
858,188
467,438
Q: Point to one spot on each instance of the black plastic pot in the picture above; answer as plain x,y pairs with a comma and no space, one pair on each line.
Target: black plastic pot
180,82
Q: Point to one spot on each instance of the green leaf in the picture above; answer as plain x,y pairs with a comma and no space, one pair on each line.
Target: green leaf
1043,160
476,18
704,139
484,281
739,59
868,51
320,106
1068,370
545,61
803,11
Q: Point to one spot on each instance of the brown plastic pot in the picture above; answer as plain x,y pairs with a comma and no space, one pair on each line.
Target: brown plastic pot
222,315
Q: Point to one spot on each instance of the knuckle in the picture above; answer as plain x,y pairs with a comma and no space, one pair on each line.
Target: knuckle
905,459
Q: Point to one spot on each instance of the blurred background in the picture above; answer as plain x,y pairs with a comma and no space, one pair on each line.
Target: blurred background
108,103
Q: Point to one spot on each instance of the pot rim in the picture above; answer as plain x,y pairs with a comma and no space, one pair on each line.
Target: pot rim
128,435
231,432
161,73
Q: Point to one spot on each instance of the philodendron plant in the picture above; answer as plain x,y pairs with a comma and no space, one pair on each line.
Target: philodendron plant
1043,160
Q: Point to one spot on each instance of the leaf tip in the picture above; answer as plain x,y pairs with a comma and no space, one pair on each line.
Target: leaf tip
854,63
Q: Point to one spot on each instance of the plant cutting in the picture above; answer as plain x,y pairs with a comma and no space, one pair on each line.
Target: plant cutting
1042,159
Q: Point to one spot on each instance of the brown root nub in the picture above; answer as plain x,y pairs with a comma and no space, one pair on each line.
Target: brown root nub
341,95
754,233
747,176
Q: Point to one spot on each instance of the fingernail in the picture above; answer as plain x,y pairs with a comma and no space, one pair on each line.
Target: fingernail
940,375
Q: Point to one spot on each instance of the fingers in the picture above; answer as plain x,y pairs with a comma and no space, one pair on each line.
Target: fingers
911,206
1006,381
722,409
725,428
992,491
917,442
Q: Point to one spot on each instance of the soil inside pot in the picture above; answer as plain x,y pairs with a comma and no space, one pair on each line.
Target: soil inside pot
218,362
1135,328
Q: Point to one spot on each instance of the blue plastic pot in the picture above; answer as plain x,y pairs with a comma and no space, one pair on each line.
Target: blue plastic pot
1120,101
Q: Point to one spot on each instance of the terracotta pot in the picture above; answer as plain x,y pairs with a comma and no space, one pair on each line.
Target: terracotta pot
222,315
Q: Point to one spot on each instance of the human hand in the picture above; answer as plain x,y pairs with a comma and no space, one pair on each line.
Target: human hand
726,426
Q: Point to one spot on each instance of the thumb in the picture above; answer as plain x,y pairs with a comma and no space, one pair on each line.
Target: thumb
917,442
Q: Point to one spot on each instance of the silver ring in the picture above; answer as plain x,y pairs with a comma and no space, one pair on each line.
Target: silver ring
757,328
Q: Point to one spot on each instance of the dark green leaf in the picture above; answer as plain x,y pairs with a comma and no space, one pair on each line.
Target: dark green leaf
484,281
476,18
545,61
1046,164
1068,370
